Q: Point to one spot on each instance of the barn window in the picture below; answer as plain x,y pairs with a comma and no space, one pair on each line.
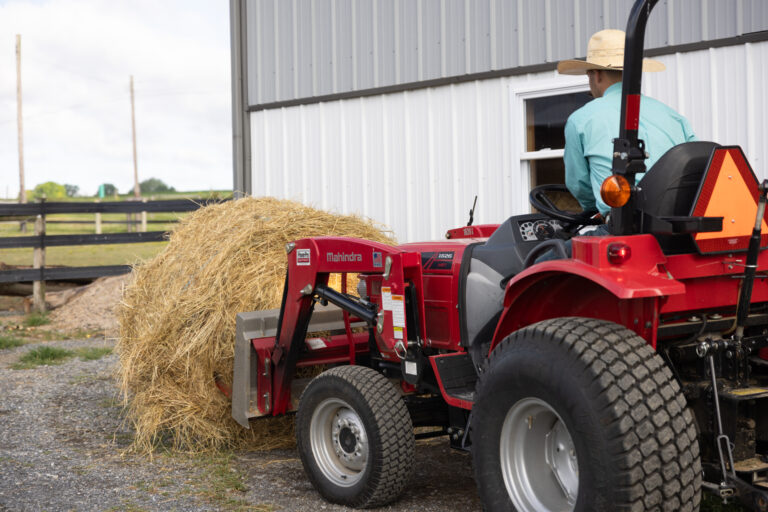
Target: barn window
543,111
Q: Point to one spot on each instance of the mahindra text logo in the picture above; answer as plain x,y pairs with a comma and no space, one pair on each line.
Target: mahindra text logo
340,257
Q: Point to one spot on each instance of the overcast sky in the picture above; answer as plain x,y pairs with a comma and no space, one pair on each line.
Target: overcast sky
77,57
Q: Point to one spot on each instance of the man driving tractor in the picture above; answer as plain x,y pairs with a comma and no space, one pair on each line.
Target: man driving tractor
590,130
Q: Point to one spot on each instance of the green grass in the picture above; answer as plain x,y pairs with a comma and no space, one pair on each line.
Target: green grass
116,254
10,342
93,353
36,319
711,503
86,255
45,356
223,483
42,356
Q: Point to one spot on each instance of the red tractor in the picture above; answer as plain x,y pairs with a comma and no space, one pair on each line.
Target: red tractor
629,375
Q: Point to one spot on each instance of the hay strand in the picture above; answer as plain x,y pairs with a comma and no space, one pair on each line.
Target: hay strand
177,318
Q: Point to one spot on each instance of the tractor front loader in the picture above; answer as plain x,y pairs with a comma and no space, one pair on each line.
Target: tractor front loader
631,373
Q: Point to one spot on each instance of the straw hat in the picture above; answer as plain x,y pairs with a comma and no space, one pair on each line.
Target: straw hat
604,51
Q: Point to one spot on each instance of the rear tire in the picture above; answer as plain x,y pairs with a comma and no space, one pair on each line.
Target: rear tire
355,437
585,399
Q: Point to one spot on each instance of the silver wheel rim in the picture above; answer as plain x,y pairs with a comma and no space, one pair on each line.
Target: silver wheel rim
339,442
538,458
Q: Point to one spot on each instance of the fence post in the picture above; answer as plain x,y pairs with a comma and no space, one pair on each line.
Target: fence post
38,287
98,220
144,218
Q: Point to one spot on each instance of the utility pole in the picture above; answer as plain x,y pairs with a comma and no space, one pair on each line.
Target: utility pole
136,190
22,189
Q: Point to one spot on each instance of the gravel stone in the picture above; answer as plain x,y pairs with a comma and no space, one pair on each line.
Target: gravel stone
63,441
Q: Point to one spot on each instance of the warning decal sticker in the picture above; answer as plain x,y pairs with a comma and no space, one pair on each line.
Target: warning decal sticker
386,298
398,310
316,343
303,257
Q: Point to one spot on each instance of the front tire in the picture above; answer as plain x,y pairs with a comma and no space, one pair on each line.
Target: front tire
575,414
355,437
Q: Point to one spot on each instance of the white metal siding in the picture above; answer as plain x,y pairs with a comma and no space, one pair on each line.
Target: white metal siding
415,160
305,48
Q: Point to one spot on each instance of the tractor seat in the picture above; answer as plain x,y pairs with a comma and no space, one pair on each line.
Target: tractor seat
669,189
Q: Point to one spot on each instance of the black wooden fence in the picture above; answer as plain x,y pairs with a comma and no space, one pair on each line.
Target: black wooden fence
15,210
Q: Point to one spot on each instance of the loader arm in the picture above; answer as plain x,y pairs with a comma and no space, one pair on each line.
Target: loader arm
310,262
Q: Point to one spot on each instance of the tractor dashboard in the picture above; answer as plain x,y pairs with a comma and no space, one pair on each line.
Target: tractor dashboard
538,229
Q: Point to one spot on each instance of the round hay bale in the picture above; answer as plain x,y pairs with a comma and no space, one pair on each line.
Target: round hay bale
177,318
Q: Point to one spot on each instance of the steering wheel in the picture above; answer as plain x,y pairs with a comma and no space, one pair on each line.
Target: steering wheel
539,200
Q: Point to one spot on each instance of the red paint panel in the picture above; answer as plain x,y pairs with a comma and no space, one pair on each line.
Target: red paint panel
438,320
633,112
477,231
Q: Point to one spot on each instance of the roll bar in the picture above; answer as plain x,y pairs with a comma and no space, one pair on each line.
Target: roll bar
628,151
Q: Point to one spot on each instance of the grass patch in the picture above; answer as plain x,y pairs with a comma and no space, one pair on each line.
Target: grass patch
224,483
712,503
36,319
10,342
42,356
109,403
86,255
28,334
93,353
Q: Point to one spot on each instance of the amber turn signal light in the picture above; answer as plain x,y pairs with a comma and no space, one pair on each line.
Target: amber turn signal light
615,191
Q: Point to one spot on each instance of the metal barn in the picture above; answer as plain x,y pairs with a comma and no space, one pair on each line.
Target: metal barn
405,110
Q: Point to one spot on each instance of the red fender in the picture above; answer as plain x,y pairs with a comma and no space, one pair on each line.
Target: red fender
589,285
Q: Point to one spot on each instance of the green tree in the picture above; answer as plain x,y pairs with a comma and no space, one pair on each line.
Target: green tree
71,190
154,186
51,189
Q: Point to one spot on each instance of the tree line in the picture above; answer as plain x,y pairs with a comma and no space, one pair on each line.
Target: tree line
52,190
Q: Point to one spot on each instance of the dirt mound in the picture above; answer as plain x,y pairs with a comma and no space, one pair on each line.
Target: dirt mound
92,307
177,318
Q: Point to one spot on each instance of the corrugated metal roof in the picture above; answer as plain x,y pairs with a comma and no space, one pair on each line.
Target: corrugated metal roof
305,48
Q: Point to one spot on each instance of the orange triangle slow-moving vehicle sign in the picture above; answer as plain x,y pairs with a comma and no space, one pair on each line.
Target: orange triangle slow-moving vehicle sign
729,190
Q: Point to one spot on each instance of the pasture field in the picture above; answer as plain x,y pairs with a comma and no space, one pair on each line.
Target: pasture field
108,254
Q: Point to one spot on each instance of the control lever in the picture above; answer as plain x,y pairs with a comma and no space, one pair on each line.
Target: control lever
472,213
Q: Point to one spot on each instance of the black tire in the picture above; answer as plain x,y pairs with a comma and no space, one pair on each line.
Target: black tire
351,400
635,439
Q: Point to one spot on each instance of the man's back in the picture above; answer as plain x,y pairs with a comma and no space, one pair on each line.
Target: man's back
589,135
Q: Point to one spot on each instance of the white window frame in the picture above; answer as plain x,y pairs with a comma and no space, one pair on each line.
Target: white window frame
556,86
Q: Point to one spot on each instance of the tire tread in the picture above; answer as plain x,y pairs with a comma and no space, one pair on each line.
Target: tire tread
651,433
395,430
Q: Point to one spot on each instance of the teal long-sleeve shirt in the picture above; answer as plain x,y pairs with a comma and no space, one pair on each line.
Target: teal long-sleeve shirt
589,134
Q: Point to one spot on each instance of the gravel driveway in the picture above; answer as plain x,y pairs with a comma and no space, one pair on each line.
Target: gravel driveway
62,439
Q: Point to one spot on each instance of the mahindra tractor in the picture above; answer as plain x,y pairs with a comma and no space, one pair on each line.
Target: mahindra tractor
627,373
